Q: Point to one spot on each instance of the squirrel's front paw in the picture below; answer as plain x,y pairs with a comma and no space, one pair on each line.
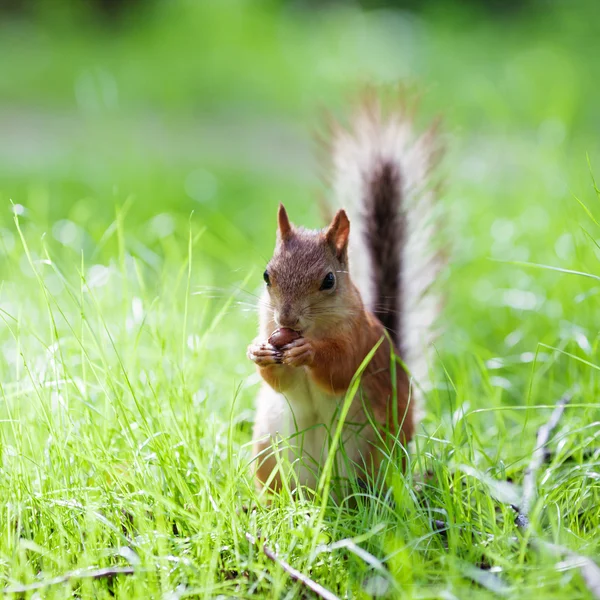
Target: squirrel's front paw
299,353
264,354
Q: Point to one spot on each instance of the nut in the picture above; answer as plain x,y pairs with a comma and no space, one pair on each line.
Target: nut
282,337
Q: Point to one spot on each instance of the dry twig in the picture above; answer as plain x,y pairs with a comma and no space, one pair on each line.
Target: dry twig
296,575
537,460
588,568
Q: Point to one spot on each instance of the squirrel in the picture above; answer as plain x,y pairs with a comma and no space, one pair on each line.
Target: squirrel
342,293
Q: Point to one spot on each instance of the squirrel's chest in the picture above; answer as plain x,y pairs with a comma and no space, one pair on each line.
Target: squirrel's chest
312,420
314,416
310,405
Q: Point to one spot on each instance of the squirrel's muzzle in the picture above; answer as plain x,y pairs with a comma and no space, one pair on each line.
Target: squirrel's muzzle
287,318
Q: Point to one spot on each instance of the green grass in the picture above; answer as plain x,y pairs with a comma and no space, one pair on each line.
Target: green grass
129,283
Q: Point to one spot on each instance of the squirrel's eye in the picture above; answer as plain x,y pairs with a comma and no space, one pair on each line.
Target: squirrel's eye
328,282
266,277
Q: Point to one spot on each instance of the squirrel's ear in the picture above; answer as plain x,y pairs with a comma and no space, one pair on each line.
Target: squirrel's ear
284,227
337,233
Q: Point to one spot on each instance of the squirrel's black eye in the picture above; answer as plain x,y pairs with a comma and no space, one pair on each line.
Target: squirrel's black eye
328,282
266,277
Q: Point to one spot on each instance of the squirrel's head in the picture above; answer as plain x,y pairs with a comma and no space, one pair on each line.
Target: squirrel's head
307,279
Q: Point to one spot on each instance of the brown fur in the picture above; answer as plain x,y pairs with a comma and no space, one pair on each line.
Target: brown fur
338,332
266,465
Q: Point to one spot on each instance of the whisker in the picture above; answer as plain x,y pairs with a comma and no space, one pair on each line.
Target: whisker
320,301
244,291
386,309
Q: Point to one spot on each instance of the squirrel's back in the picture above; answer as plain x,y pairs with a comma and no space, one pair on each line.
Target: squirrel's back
381,174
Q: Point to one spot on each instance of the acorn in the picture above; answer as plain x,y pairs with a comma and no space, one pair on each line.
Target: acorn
282,337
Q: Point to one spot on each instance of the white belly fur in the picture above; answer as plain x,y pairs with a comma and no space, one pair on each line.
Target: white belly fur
302,421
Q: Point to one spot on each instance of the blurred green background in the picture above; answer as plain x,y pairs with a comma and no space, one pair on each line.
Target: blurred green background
209,107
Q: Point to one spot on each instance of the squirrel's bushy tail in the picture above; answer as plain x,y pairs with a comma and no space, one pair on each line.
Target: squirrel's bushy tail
382,176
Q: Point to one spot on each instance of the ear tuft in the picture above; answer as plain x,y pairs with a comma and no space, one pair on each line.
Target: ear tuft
337,233
284,227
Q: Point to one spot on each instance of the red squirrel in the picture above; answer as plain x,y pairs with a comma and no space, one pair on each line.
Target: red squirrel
361,281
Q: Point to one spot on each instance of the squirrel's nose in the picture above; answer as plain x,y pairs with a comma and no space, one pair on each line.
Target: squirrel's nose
286,319
289,323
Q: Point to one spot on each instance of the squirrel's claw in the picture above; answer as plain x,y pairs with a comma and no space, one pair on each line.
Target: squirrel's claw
299,353
264,354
